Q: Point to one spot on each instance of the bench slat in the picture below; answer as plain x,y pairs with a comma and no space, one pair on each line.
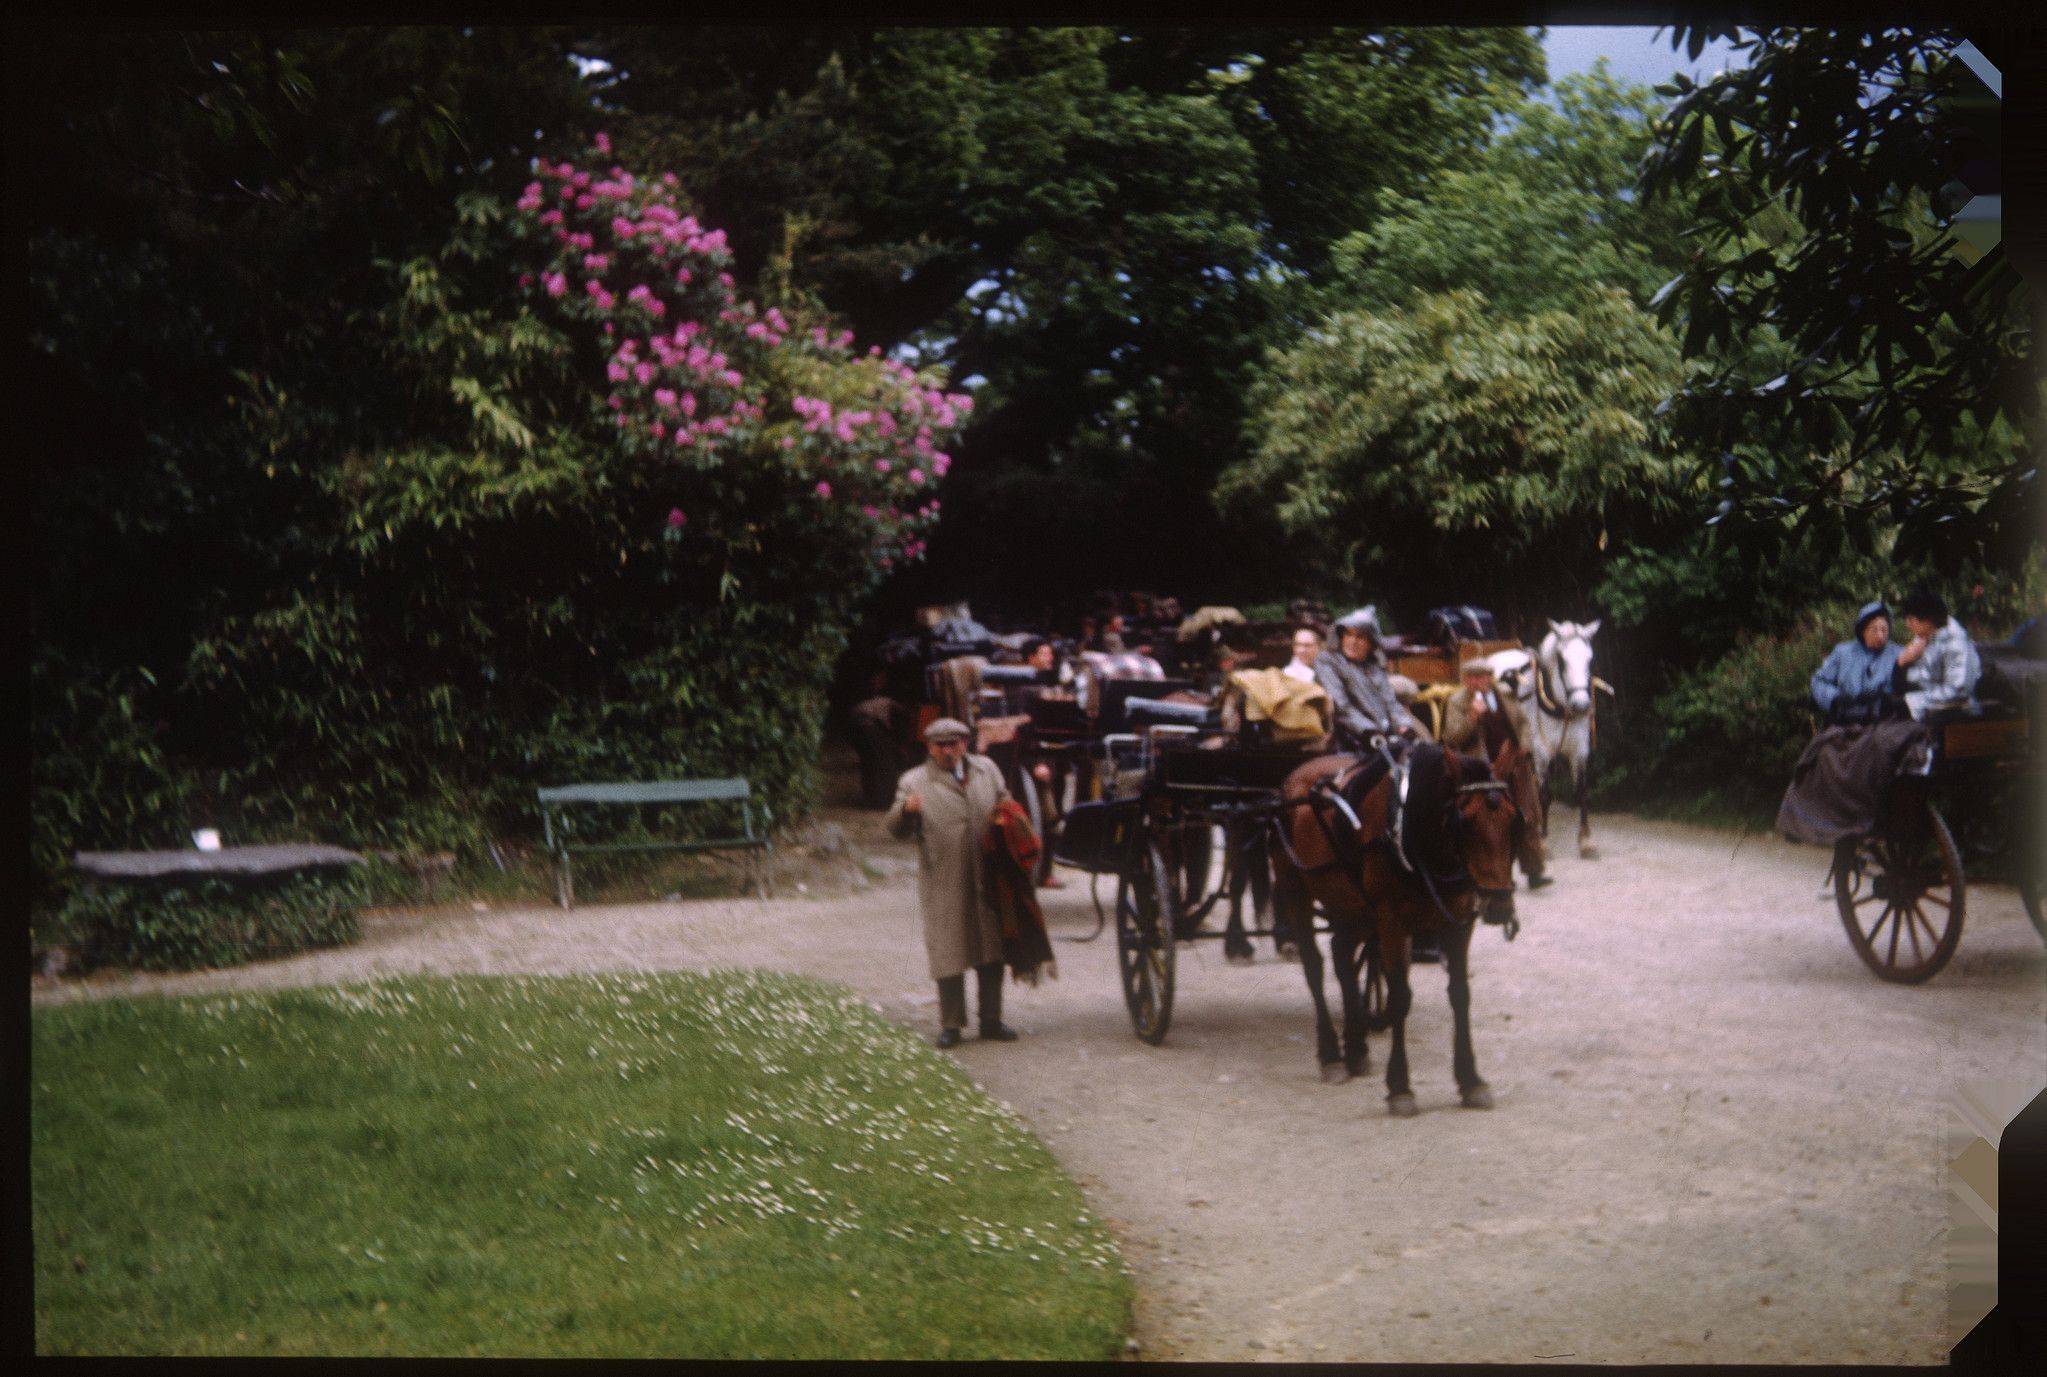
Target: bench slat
735,844
655,791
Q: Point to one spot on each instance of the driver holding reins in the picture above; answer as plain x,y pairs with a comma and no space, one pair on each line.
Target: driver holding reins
1360,690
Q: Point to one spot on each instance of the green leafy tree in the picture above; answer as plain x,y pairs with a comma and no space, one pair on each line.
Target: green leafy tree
1502,455
1106,226
1903,393
1477,402
1543,213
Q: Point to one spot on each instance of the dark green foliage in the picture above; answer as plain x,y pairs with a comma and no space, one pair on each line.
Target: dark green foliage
186,924
1721,740
348,506
98,776
1108,226
1904,393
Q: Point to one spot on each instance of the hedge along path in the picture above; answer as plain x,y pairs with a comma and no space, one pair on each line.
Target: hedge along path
1709,1145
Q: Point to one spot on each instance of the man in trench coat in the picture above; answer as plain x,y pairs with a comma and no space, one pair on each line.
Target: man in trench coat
945,803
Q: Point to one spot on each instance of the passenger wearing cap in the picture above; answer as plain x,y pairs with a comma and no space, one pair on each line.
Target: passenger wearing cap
1475,719
1853,684
1361,696
945,803
1941,666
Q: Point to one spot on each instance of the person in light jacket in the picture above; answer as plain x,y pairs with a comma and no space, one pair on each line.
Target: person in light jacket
1854,682
946,803
1941,666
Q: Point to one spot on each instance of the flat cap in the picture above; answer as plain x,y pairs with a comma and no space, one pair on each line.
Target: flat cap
948,729
1477,664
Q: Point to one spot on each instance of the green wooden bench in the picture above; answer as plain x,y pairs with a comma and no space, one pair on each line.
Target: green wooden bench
558,830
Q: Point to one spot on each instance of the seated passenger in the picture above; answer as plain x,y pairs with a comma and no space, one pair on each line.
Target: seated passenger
1307,648
1854,683
1941,666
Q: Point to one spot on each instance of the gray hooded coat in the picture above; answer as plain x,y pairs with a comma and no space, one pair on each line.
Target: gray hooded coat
1852,669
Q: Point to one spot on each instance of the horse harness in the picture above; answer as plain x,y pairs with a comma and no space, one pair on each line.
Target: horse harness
1335,788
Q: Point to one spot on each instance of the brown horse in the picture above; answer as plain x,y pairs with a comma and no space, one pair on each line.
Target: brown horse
1331,846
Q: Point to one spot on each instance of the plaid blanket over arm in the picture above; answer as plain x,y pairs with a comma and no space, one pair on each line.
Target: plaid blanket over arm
1009,851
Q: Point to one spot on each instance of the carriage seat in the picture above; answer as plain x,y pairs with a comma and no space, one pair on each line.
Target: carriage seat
1154,712
1119,694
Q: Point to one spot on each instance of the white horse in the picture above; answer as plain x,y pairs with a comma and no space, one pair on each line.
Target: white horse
1554,688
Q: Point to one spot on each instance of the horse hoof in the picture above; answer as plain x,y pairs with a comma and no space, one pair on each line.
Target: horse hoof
1402,1106
1244,958
1335,1073
1289,952
1478,1097
1588,853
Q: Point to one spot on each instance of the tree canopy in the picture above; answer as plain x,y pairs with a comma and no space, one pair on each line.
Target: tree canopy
1478,397
1905,394
1104,228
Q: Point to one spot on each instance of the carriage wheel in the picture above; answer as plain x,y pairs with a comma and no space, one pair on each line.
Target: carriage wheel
1902,897
1144,945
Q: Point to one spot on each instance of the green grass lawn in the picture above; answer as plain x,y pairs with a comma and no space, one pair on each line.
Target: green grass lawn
732,1165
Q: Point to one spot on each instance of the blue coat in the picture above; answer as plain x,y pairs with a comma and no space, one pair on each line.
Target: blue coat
1852,668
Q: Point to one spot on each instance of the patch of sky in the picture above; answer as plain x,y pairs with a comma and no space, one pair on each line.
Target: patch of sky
1633,52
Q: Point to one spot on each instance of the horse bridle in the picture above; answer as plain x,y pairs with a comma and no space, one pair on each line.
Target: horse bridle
1500,787
1546,696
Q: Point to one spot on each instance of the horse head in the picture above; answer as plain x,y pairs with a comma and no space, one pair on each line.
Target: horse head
1485,823
1564,669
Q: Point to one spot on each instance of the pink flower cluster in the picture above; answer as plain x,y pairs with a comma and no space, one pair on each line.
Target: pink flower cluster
715,388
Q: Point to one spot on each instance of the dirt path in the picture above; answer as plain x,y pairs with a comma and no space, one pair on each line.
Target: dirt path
1718,1138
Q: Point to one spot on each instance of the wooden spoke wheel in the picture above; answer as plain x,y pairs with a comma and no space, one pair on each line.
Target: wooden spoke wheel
1902,895
1145,913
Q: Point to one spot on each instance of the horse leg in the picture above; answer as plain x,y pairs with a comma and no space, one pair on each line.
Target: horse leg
1399,995
1257,866
1290,893
1471,1090
1239,853
1346,953
1581,773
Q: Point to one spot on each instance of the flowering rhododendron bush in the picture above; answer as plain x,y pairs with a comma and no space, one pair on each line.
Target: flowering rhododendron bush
617,525
752,422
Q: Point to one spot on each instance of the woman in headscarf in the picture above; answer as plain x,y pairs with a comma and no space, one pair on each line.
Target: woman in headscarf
1854,683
